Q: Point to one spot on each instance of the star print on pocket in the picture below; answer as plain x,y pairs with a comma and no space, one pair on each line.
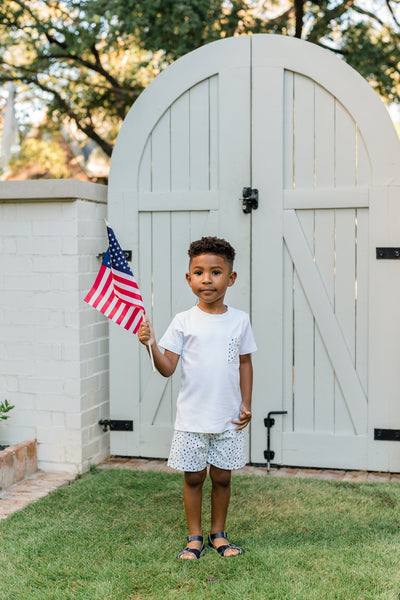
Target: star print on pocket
233,349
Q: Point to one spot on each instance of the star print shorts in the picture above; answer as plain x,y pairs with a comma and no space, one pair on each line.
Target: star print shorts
193,451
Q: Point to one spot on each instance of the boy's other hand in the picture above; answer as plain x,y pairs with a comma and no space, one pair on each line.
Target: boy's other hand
146,332
244,418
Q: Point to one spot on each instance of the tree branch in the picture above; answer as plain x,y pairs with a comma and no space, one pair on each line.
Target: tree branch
388,4
367,13
88,130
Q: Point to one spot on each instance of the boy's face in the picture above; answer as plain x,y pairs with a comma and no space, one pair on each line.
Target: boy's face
209,277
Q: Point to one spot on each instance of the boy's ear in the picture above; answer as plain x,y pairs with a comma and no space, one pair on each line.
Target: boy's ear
189,279
232,278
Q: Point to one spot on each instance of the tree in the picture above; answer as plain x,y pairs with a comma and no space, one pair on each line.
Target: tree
90,59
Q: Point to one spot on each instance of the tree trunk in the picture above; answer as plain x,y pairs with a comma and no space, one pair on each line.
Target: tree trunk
299,14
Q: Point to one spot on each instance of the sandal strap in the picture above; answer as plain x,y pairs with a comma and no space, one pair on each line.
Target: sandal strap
195,538
221,534
223,549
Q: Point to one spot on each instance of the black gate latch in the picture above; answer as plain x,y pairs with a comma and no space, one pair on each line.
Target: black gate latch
249,200
269,422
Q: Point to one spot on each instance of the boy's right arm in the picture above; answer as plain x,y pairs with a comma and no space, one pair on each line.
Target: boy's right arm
164,363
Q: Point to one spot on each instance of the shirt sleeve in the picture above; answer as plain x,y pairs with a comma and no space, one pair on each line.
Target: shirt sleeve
173,338
247,342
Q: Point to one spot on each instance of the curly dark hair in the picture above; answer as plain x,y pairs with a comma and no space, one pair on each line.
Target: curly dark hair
212,245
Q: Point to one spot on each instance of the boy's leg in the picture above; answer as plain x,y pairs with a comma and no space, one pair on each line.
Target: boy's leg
192,496
220,496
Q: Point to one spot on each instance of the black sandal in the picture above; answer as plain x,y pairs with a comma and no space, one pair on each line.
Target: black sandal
222,549
197,553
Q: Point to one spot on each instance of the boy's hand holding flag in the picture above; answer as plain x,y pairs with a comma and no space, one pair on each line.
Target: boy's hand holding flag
115,292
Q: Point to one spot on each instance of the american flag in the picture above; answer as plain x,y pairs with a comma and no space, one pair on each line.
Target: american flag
115,292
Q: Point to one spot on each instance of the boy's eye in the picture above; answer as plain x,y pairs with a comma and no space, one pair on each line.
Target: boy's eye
216,272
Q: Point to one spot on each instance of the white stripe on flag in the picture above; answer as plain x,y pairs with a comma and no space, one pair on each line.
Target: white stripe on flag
136,320
127,316
110,308
109,294
117,314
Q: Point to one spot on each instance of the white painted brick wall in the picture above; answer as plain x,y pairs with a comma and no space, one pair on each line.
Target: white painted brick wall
53,347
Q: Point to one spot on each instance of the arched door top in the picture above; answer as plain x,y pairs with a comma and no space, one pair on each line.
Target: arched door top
259,51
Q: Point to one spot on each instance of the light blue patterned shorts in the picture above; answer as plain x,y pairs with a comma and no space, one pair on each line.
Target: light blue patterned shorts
193,451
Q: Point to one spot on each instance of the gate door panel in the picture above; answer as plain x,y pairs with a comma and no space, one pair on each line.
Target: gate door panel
193,166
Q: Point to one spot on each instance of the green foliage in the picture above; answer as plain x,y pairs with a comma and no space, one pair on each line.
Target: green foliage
46,153
90,59
5,408
115,535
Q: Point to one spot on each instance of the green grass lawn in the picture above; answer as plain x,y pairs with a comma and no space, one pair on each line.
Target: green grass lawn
114,535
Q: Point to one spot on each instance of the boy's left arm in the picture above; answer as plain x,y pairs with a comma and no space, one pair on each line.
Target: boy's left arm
246,388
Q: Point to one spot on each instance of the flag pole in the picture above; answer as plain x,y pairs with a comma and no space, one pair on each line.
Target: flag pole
151,356
146,318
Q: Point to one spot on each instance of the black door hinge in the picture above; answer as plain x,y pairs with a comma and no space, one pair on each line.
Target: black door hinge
388,253
387,435
115,425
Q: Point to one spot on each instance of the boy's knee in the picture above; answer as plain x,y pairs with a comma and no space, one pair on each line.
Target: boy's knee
220,477
196,478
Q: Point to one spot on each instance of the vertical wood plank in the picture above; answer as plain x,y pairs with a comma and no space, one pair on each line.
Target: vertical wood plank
214,133
199,136
145,276
180,144
345,147
144,177
162,292
324,138
362,296
304,340
288,131
161,155
324,375
288,324
304,151
303,361
267,262
345,300
234,171
363,164
182,296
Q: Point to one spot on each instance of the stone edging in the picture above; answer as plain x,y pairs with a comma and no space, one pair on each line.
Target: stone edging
17,462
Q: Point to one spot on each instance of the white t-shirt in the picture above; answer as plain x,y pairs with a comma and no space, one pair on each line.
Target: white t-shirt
209,346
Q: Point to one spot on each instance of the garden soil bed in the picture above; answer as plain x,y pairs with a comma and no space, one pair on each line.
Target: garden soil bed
17,462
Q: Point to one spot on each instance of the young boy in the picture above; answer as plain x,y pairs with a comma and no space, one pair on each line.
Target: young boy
215,343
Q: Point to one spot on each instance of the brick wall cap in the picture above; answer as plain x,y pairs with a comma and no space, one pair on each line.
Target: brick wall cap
55,190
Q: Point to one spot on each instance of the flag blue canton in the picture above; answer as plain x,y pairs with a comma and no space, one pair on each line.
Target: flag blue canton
117,257
106,260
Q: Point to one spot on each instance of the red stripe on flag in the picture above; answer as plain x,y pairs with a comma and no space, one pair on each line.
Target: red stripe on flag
103,299
96,284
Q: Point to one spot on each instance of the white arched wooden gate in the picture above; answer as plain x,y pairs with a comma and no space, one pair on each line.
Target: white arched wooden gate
293,121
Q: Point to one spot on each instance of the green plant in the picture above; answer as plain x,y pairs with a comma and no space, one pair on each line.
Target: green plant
5,408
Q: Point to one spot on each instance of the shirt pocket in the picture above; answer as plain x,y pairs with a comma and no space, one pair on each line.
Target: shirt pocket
233,349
